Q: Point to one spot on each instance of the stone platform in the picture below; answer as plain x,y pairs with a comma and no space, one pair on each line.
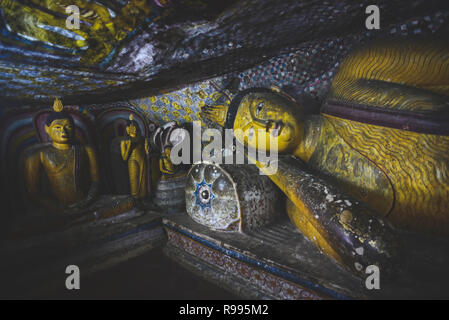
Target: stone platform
277,262
37,264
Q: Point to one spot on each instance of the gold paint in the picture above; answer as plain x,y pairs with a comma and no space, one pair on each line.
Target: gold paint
416,164
355,173
312,132
304,137
164,100
215,114
57,105
101,33
59,167
165,165
202,94
346,217
58,162
277,118
216,95
413,76
134,150
387,74
399,173
115,209
201,104
60,132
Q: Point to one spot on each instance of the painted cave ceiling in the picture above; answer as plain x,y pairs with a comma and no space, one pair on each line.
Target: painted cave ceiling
136,48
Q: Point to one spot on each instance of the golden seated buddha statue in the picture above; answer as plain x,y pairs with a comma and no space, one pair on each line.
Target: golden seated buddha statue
68,171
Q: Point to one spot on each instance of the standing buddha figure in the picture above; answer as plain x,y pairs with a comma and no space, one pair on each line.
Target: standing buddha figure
134,149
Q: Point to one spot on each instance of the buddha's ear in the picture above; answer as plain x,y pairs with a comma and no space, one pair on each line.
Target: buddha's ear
216,114
47,129
127,130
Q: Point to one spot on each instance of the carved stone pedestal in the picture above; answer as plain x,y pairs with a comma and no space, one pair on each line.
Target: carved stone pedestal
277,262
37,264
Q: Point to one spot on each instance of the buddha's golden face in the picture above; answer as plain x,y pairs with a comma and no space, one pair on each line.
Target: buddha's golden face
270,117
60,131
131,130
167,151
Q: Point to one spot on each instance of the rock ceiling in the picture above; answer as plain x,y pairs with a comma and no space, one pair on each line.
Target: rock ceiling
135,48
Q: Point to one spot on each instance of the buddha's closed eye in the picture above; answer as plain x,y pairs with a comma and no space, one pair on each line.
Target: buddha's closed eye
259,108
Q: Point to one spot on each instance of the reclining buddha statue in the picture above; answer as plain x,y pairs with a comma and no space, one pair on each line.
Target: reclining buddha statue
375,157
69,171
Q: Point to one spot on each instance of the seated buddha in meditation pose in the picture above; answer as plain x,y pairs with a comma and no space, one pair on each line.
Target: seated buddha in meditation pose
377,154
61,175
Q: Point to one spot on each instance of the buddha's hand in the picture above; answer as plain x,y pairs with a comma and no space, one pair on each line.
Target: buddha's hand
91,196
147,147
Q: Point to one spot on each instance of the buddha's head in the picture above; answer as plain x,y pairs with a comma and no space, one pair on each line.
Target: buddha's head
59,125
264,114
167,151
132,128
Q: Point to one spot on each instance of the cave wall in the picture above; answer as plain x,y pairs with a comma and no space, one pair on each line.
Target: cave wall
289,43
304,73
204,56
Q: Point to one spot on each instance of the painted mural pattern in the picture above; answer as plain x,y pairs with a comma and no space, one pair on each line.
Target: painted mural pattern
306,71
184,105
32,81
124,45
101,31
41,57
273,285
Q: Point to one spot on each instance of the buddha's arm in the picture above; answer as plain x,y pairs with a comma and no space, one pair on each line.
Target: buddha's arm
125,147
32,171
147,146
165,165
357,238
